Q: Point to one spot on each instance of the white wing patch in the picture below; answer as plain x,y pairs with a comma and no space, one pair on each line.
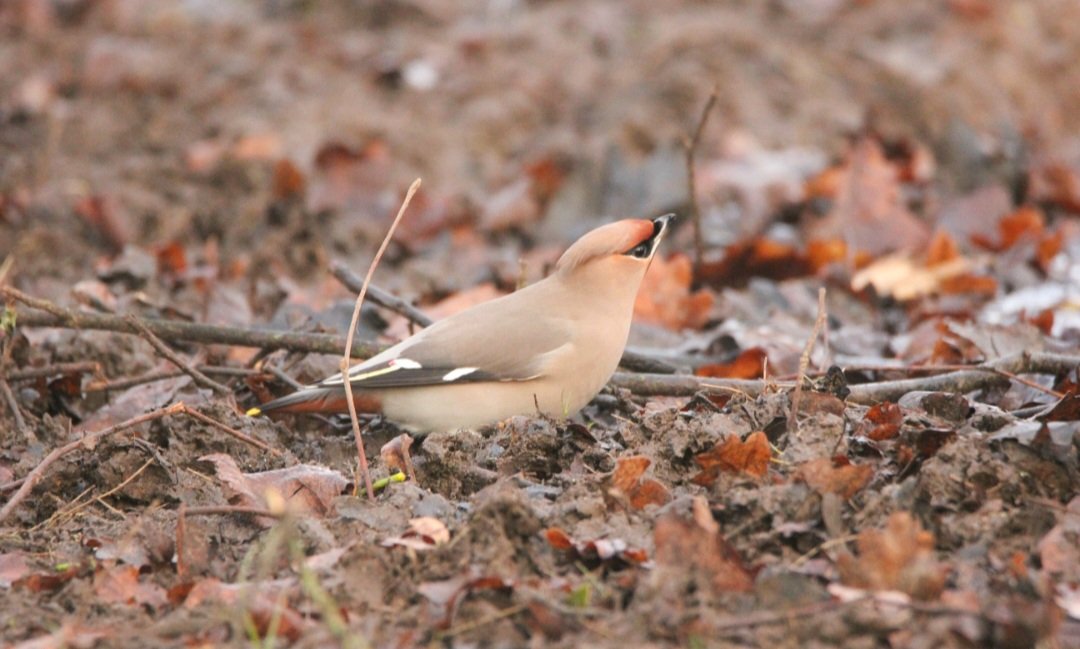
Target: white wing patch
454,375
356,374
406,364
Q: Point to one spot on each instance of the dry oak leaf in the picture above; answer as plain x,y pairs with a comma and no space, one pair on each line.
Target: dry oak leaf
120,585
424,533
899,557
842,478
869,211
749,364
734,455
305,488
665,297
882,421
696,547
640,492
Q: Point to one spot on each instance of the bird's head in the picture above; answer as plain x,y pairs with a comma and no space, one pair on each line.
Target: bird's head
623,248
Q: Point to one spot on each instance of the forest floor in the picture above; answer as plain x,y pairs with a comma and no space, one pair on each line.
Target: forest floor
213,163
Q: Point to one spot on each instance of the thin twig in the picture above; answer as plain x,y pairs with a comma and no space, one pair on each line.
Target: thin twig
804,362
182,331
57,369
383,298
346,357
690,146
247,439
13,406
90,439
150,377
174,358
283,377
225,510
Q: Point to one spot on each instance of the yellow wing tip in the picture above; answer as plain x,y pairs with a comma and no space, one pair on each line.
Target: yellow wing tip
253,412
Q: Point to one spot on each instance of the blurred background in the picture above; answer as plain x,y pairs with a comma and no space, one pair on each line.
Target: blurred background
257,141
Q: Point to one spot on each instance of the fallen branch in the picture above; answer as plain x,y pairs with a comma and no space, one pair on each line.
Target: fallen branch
977,377
383,298
182,331
161,348
58,369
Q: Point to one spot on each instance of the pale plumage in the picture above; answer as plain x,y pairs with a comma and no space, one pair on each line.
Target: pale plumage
552,345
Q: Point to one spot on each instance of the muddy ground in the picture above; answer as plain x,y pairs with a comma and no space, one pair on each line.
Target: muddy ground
208,162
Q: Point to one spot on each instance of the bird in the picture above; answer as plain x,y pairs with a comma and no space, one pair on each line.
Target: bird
547,349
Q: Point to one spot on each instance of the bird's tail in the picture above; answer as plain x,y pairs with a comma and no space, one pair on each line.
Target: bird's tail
327,400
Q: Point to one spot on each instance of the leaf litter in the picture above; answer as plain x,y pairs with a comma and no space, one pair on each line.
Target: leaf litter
146,177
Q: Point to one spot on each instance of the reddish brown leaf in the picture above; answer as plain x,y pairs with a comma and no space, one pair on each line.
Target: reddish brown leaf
640,493
942,249
869,211
1066,409
120,584
900,557
824,476
1025,222
558,539
13,567
308,488
665,297
289,181
688,548
822,252
171,259
628,470
882,421
757,258
733,455
749,364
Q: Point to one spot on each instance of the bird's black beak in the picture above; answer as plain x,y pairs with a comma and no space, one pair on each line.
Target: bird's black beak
660,226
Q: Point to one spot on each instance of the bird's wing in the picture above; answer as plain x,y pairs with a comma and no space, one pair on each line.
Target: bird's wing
465,348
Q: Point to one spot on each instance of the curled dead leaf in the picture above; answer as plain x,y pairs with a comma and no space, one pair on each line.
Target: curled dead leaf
899,557
641,492
665,297
694,548
842,478
733,455
749,364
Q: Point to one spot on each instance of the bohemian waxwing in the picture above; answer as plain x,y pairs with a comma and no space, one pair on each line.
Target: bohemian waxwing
549,347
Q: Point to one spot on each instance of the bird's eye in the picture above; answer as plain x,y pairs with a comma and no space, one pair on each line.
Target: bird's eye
641,251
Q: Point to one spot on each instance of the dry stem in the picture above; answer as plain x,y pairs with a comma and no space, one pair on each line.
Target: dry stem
346,357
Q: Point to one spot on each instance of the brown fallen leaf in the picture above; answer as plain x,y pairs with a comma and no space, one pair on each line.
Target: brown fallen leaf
120,584
899,557
596,550
1026,222
424,533
665,297
13,567
869,212
842,478
882,421
761,257
694,548
733,455
749,364
305,488
641,492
